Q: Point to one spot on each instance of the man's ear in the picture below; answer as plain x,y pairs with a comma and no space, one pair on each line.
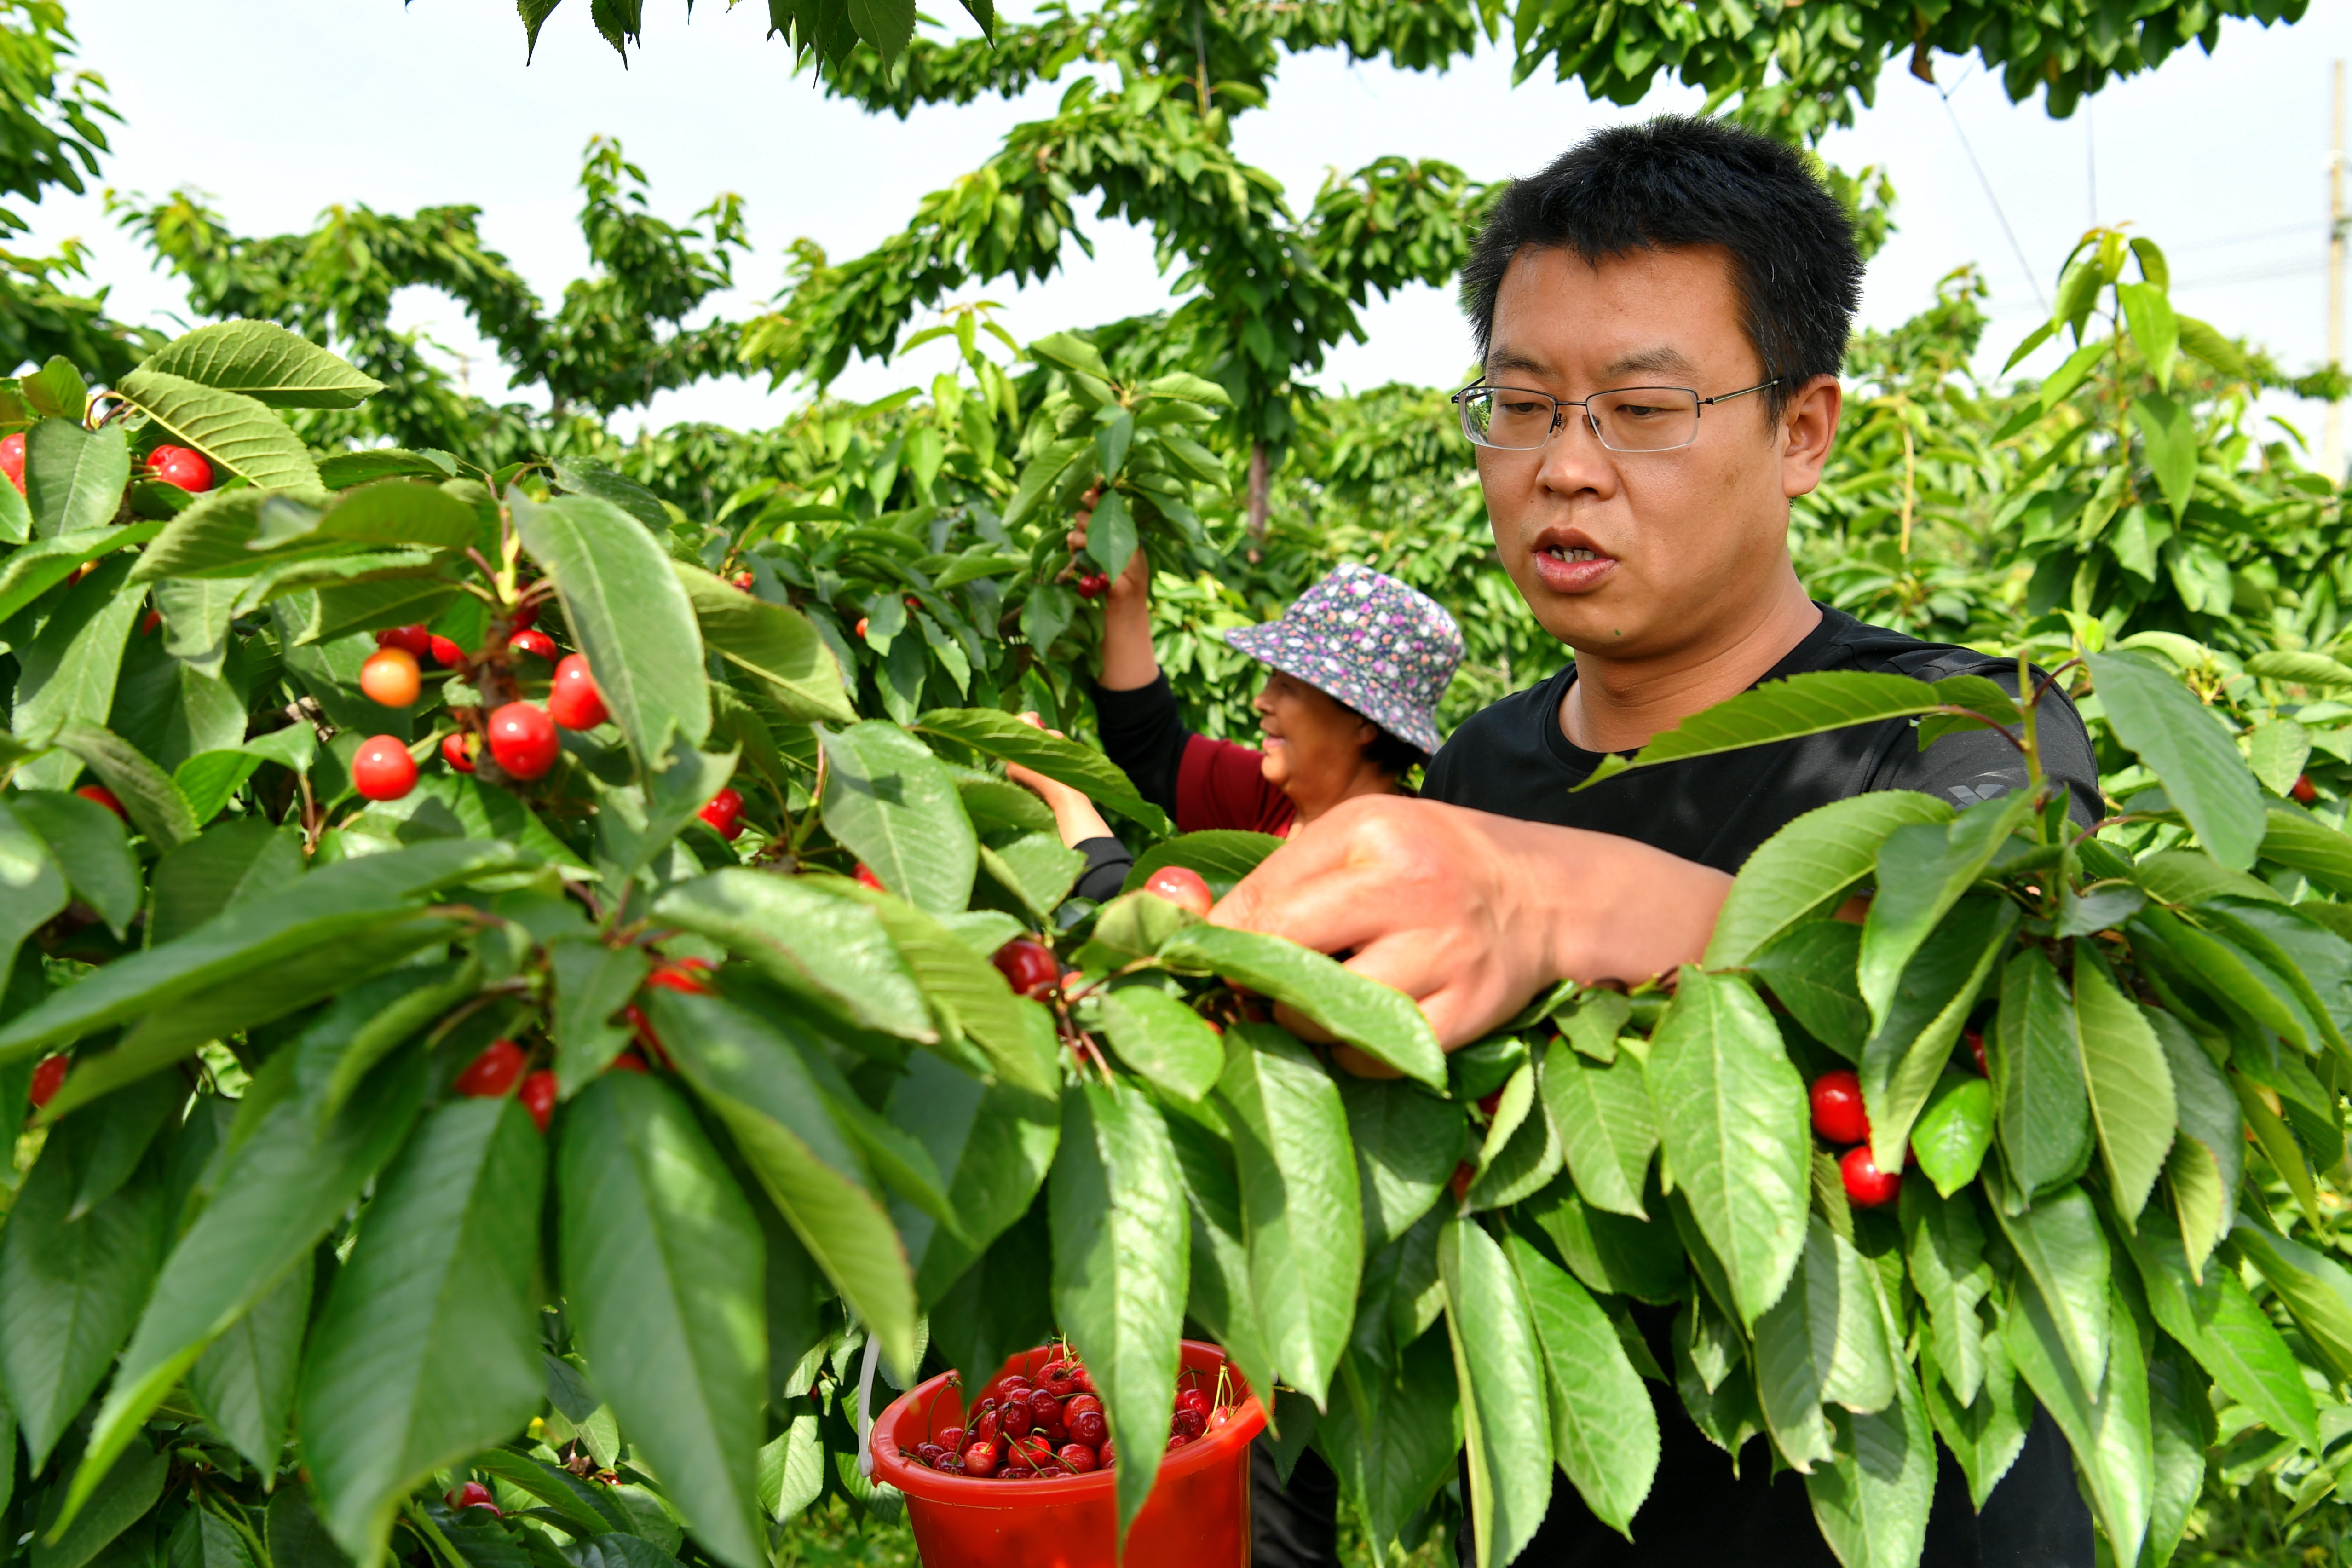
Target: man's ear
1808,426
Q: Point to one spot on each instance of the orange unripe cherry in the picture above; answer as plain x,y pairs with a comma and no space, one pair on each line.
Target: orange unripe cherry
389,677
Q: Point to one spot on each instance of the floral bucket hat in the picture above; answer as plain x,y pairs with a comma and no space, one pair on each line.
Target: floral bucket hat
1361,636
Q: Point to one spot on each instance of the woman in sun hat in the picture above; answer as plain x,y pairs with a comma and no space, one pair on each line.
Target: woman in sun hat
1357,666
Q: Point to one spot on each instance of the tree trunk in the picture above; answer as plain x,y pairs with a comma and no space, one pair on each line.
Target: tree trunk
1260,482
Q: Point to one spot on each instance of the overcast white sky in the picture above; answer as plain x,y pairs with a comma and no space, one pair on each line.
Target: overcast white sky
277,109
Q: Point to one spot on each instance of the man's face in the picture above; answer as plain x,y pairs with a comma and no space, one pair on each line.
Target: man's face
1635,555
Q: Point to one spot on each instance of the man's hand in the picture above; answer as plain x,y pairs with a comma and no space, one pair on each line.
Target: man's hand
1471,914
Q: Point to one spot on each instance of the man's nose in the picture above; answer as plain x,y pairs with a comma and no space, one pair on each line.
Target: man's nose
1575,460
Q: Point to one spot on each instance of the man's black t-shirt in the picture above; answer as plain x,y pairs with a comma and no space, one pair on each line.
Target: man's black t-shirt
1512,759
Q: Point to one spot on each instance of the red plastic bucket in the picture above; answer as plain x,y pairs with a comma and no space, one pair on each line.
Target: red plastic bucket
1197,1515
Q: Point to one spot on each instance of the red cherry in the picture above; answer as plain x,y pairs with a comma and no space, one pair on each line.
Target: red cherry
390,677
643,1028
2303,790
105,797
1222,1415
472,1494
1080,1403
953,1439
1184,887
628,1061
1838,1115
181,467
149,622
1488,1104
574,702
744,580
724,812
1106,1455
1088,1427
1974,1037
1094,585
866,878
538,1097
1459,1183
415,639
1077,1455
1016,1419
1028,967
538,644
524,613
1193,1399
861,628
49,1077
445,654
12,460
522,739
491,1074
384,770
1175,1441
686,976
983,1429
458,750
979,1459
1868,1186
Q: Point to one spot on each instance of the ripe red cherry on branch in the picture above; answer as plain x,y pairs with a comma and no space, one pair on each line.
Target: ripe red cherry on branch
445,654
491,1074
1975,1041
862,624
539,645
744,580
105,797
12,460
1838,1115
685,974
1865,1184
49,1077
1029,967
866,878
522,738
472,1494
538,1097
384,770
458,750
574,702
180,465
628,1061
2303,790
415,639
1184,887
724,812
390,677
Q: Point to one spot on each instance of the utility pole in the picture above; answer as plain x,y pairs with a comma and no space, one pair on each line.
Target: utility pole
2332,447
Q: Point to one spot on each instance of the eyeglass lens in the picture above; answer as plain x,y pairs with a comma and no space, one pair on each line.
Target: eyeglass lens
1629,419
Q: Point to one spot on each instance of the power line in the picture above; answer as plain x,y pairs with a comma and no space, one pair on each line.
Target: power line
2017,250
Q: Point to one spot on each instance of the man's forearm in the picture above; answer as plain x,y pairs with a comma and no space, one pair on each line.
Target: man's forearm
1128,659
1630,911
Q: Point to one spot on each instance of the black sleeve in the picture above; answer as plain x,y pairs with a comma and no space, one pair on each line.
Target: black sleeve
1143,732
1978,765
1107,861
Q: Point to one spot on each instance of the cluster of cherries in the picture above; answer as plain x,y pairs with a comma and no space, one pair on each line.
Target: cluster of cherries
1052,1428
500,1070
181,465
1840,1118
522,735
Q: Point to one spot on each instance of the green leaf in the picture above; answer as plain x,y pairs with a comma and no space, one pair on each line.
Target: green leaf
426,1348
56,391
2180,1415
772,1106
1301,1215
348,607
2276,749
2192,876
985,1027
2070,375
71,1289
773,642
1219,1295
388,512
662,1282
2314,1288
1608,1127
1737,1141
2310,846
1805,864
1954,1133
1809,970
1611,1254
2184,746
32,571
592,983
2220,1324
1821,1343
1872,1503
1042,476
244,1382
2299,668
1944,1243
66,676
2169,433
1160,1037
1407,1142
116,1503
1603,1431
34,883
1120,1230
1110,535
1520,1153
631,617
2106,1422
1782,711
2035,1059
992,1144
1393,1440
2064,1252
2153,327
2130,1085
278,1192
891,803
834,950
236,432
1987,1434
1003,736
1906,1058
1374,1017
265,362
73,477
1505,1415
1922,869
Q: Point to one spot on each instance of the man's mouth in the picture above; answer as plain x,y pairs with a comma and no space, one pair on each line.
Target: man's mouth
1559,553
1568,568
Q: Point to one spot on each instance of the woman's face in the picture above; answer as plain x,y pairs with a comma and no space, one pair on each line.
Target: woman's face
1314,746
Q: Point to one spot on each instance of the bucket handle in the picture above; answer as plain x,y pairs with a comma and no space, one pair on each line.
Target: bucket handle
865,1403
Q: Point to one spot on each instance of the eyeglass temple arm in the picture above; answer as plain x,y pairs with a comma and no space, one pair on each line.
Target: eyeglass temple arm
1727,396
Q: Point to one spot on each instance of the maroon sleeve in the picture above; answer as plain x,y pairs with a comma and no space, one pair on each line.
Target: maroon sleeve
1219,784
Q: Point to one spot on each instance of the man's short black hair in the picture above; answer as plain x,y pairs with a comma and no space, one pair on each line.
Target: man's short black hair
1392,756
1675,181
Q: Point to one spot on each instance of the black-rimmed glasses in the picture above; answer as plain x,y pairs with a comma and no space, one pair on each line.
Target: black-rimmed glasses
1625,418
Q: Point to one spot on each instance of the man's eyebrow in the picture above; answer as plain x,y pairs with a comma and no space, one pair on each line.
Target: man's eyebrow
1502,361
1651,361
